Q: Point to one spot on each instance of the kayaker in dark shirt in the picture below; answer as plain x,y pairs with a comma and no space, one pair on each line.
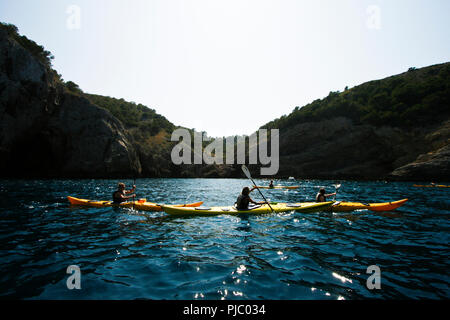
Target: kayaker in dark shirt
244,199
322,197
271,184
120,195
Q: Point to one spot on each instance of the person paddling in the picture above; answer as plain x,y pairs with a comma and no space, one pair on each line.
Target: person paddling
244,199
322,197
120,195
271,184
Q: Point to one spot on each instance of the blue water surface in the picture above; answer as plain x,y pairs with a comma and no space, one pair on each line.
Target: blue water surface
129,254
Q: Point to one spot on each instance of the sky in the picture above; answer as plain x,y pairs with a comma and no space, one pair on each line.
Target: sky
230,66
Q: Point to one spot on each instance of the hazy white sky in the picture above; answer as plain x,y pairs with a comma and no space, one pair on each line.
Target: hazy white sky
230,66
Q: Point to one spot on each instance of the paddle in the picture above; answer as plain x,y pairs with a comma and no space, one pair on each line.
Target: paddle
187,199
134,198
336,186
247,173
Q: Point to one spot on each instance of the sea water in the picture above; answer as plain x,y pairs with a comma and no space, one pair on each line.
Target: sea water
130,254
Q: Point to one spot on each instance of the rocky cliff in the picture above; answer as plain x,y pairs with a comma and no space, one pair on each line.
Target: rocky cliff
396,128
339,149
48,131
433,163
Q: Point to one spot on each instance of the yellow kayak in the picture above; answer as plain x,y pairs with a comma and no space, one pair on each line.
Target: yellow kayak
277,207
141,204
350,206
430,186
279,187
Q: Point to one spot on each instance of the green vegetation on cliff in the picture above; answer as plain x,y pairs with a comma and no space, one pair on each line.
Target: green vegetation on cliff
414,98
36,50
134,116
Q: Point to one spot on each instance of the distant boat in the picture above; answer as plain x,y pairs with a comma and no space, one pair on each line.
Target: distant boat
278,187
291,178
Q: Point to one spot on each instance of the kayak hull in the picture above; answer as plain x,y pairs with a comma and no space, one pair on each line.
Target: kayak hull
310,207
351,206
305,207
145,206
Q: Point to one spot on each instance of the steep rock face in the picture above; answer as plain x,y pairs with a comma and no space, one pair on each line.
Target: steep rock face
46,130
338,149
433,165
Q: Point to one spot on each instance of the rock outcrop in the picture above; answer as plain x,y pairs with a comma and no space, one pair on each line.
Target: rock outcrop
338,149
433,165
49,131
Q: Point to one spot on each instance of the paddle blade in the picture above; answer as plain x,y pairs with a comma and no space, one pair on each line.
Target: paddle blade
337,186
246,171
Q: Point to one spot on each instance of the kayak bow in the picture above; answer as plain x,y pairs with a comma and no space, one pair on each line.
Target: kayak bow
350,206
